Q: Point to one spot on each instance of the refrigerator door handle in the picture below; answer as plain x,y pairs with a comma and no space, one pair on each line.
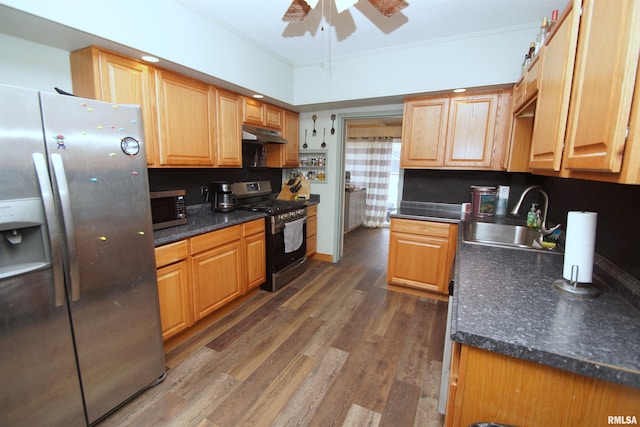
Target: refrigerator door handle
65,203
53,228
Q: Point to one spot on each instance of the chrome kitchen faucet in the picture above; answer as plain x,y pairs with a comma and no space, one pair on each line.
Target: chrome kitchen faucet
543,227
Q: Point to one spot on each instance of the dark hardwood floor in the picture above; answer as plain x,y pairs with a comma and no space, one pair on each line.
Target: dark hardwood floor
332,348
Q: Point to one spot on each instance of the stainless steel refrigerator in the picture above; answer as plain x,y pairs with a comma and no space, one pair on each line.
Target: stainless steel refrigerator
79,317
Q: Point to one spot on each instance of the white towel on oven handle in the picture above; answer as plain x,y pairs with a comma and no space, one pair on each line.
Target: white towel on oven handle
293,235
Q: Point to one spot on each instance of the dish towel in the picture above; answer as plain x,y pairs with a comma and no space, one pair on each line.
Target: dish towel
293,235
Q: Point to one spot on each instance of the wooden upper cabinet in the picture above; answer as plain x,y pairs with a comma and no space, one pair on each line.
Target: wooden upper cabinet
252,112
424,132
273,117
461,132
258,113
547,141
470,133
604,78
106,76
229,137
292,135
186,110
286,155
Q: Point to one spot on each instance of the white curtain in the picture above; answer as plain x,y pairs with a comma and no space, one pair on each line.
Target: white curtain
369,161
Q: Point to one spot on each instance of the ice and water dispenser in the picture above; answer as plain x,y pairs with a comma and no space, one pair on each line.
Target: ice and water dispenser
23,237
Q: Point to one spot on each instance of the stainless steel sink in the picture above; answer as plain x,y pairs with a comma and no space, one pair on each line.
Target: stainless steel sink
505,235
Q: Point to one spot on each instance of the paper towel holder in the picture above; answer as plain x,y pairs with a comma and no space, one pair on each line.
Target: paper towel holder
575,288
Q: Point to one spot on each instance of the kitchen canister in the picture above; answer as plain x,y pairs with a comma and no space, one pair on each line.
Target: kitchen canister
483,201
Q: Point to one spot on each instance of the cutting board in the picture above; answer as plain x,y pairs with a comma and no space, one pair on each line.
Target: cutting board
301,188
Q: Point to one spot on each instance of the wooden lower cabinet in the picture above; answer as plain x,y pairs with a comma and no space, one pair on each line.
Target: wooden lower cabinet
491,387
198,276
174,289
421,254
254,244
312,229
216,265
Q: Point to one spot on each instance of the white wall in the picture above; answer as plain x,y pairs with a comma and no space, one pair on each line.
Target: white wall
32,65
332,191
168,30
471,60
172,32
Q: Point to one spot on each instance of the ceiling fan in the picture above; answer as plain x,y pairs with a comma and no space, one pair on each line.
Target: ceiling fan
299,9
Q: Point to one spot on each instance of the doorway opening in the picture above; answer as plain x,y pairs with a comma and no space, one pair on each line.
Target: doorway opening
372,166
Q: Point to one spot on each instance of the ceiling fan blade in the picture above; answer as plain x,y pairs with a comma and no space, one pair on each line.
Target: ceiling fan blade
298,10
342,5
389,7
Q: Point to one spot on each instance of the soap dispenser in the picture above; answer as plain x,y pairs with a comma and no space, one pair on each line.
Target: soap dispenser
531,216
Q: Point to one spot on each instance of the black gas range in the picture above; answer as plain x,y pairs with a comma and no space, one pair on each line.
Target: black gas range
286,231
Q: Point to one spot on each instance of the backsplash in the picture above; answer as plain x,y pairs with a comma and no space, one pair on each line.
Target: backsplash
192,179
617,205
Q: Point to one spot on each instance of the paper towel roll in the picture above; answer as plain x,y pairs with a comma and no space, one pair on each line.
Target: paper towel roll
580,245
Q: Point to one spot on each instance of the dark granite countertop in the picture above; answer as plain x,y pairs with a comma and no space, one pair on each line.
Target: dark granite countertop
203,221
504,301
425,211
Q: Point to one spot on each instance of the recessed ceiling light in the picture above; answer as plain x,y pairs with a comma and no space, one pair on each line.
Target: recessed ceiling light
459,90
149,58
258,96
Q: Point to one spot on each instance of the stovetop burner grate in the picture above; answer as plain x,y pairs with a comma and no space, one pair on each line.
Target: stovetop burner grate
273,206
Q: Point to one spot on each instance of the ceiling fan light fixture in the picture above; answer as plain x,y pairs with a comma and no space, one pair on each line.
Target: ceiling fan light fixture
298,10
389,7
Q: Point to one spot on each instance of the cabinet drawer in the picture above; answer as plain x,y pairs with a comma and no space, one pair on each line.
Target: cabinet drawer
215,238
253,227
425,228
173,252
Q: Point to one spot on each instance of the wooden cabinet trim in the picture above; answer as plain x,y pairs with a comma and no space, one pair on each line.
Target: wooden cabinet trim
213,239
173,252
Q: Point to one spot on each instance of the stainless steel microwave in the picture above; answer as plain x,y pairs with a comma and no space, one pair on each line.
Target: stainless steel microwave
168,208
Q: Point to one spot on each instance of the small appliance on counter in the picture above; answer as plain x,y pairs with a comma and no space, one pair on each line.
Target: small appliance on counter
483,201
222,197
168,208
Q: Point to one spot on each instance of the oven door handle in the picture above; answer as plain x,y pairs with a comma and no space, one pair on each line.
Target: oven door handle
278,228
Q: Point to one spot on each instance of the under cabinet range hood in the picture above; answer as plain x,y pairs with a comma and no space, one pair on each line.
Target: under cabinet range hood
256,135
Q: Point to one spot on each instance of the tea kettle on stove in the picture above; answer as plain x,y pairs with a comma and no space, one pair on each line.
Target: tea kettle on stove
222,197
